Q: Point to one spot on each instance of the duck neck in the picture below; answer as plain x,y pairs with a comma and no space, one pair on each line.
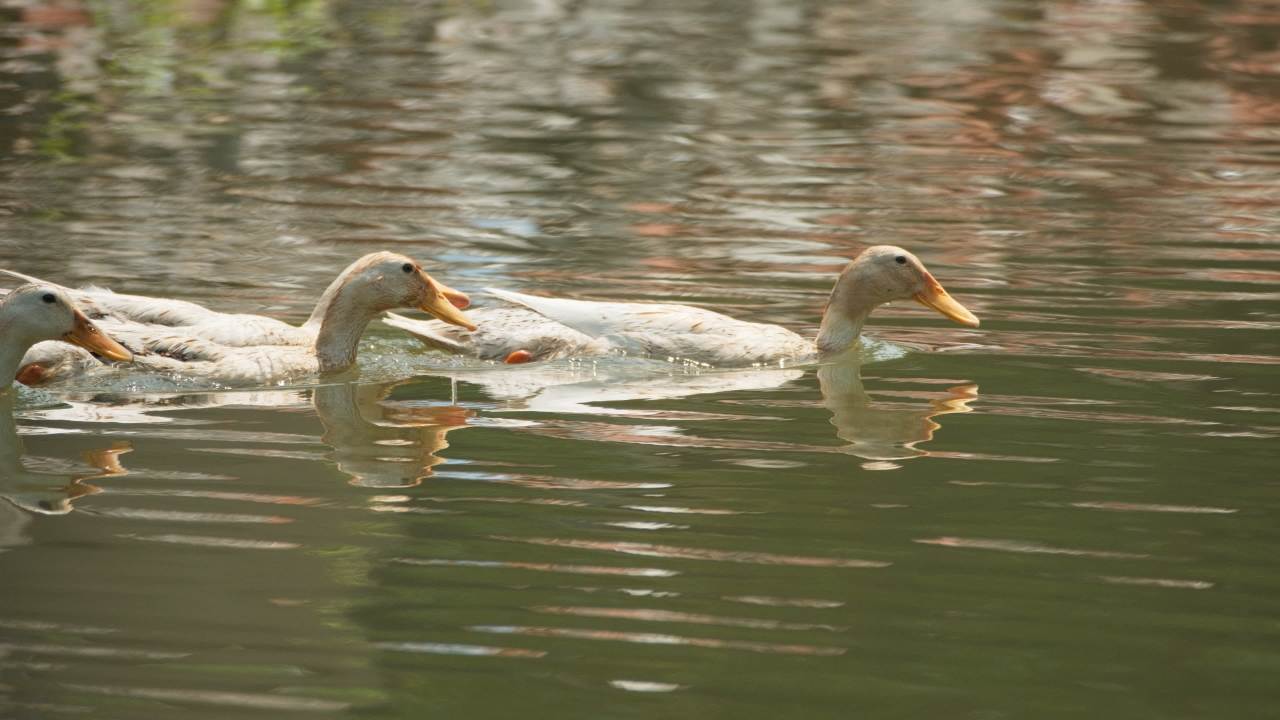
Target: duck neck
14,343
847,310
342,320
839,331
326,300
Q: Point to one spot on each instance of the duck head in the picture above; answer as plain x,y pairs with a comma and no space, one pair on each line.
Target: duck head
39,312
374,283
386,281
35,313
882,274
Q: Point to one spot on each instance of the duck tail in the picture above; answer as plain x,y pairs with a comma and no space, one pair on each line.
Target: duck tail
29,278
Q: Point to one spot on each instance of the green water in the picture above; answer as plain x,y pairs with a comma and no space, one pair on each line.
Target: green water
1069,512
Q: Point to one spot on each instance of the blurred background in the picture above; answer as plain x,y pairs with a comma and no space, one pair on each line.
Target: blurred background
1070,510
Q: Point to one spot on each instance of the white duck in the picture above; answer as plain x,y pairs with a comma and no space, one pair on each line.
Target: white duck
539,328
38,312
177,337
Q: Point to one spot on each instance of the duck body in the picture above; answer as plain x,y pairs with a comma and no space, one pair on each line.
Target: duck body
182,338
184,354
544,328
552,328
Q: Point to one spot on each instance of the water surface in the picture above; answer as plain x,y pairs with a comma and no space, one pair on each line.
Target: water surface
1069,511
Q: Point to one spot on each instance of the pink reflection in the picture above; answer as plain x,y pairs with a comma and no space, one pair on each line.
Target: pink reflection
659,639
193,517
1151,507
294,500
815,603
652,615
1019,546
1158,582
248,701
460,649
543,567
684,553
215,542
558,502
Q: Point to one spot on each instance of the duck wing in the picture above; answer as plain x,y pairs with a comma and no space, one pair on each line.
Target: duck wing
240,330
103,304
431,332
500,332
602,319
180,353
665,330
228,329
231,330
171,351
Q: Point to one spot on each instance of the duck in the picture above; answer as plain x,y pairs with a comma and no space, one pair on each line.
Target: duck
530,327
181,338
36,313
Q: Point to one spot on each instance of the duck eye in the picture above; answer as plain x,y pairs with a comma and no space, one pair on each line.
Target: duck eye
407,267
49,298
901,259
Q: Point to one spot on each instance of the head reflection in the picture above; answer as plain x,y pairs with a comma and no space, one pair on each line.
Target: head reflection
44,486
885,431
384,443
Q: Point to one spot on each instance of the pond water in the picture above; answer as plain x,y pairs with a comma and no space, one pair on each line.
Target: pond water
1071,510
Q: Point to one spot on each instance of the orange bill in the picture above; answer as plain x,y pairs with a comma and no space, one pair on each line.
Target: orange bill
438,303
88,336
936,297
456,298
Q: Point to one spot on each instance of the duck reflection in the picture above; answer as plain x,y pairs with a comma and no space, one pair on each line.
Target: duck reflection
582,388
882,432
44,486
384,443
878,431
374,441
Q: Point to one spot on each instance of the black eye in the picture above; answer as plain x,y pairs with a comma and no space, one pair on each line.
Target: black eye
901,259
407,267
49,298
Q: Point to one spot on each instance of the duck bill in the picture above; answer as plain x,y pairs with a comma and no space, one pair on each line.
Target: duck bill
438,303
456,298
936,297
87,335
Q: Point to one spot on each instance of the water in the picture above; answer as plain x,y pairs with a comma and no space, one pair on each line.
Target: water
1069,511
